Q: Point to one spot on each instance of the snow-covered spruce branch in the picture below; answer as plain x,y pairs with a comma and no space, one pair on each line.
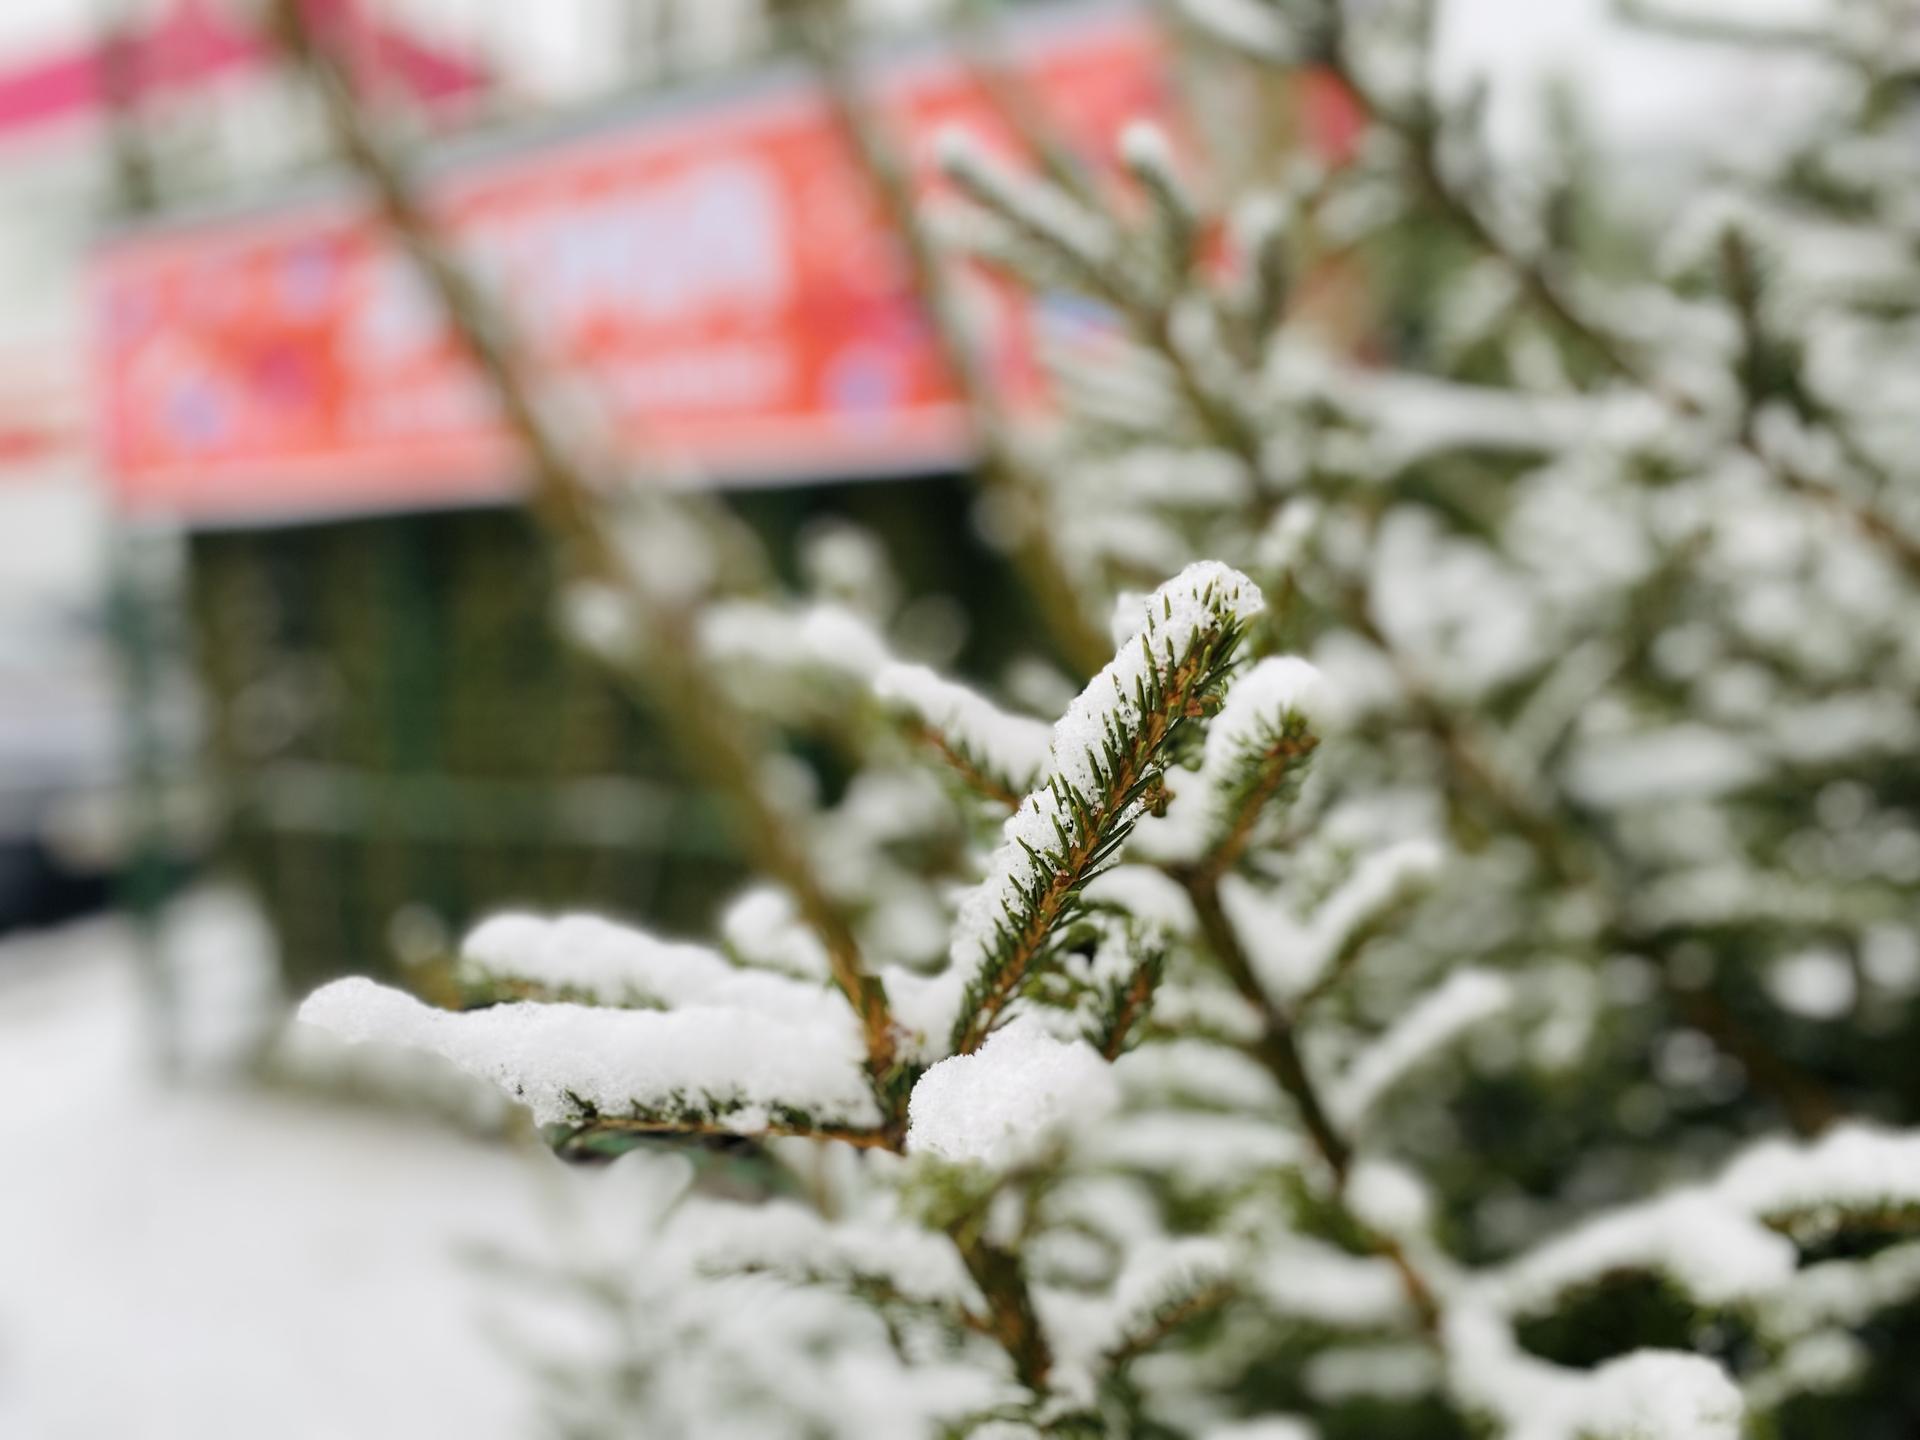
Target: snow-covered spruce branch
696,1068
1257,752
1108,755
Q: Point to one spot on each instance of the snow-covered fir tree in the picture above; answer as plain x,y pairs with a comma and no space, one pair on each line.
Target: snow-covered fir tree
1452,970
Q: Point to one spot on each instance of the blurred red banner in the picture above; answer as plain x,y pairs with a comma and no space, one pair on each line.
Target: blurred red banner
714,269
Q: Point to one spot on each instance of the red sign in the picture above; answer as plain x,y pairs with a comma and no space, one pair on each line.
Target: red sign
716,271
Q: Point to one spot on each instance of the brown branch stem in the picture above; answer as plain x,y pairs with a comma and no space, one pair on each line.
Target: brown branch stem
1011,1316
1002,470
1278,1050
570,504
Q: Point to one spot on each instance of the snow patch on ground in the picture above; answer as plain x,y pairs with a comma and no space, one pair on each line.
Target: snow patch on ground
203,1263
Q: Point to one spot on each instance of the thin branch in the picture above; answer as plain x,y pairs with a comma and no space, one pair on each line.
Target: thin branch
1279,1052
584,1136
1279,767
1002,470
1099,822
1134,1002
975,777
1011,1316
1276,1049
1203,1301
571,505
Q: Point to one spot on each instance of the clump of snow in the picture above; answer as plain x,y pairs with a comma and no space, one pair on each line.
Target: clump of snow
1011,748
1193,1149
1011,1100
1129,616
1037,208
1199,1073
1389,1197
1280,697
1278,689
1148,894
1144,146
1817,984
1395,1371
724,1066
791,1240
1157,1274
1267,1427
824,636
1844,1292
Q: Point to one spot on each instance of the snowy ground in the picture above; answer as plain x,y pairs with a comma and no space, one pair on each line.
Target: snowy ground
203,1262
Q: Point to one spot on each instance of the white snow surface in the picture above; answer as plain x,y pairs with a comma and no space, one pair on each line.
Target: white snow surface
1852,1166
1011,1100
195,1262
736,1063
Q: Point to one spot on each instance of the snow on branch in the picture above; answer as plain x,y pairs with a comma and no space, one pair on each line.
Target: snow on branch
1164,1286
1107,756
1257,751
705,1067
1251,27
1298,960
1852,1173
596,962
1716,1255
824,637
1645,1395
1466,998
1148,155
1720,1241
762,927
878,1254
1000,756
1309,1282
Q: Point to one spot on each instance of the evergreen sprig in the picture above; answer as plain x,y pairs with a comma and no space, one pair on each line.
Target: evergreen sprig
1265,770
1174,682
